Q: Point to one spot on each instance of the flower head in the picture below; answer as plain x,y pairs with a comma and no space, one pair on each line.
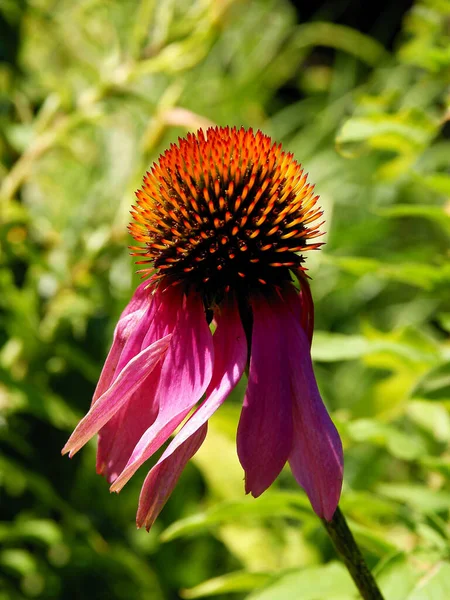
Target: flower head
229,211
222,221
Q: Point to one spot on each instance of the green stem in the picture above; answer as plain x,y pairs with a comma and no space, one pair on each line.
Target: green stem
346,546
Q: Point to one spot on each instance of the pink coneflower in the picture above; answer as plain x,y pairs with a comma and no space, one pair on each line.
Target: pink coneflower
222,220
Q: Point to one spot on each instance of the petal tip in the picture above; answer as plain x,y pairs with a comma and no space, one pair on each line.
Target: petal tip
328,516
144,521
69,449
254,490
117,485
327,505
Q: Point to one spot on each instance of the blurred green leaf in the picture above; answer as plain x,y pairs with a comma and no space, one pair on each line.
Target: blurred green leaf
340,37
239,581
18,560
283,504
434,213
442,465
432,417
414,273
435,384
434,586
396,576
41,530
405,132
330,581
333,346
372,540
417,496
401,444
440,183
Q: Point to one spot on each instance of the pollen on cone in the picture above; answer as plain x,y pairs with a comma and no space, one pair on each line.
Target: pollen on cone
225,208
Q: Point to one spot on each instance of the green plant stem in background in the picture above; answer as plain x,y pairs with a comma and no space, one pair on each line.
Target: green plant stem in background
345,544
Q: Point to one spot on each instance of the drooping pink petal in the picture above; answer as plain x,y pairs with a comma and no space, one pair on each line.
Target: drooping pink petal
300,304
307,308
142,320
316,458
142,295
124,328
185,375
126,384
162,479
264,437
152,321
230,357
119,436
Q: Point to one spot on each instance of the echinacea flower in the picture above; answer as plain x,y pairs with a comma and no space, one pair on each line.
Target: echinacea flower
222,221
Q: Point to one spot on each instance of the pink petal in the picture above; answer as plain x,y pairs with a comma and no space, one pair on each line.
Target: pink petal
264,437
316,458
167,304
142,295
185,375
152,321
230,357
141,321
162,479
119,436
124,328
300,304
126,384
307,309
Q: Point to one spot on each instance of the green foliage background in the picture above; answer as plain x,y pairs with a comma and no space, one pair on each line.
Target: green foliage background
94,91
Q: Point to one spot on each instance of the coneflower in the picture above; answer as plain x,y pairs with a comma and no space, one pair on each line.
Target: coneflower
222,221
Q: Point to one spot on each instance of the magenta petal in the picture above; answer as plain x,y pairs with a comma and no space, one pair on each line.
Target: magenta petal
316,458
161,480
119,436
124,328
264,437
307,308
126,384
152,321
141,319
185,375
300,304
142,295
230,357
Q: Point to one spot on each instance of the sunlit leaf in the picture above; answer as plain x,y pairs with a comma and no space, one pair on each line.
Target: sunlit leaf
283,504
396,576
435,385
437,214
330,581
417,496
435,585
239,581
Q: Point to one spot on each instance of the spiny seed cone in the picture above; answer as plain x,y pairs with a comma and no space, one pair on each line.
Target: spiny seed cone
224,210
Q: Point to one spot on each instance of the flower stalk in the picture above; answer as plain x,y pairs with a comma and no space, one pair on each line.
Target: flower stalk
348,549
